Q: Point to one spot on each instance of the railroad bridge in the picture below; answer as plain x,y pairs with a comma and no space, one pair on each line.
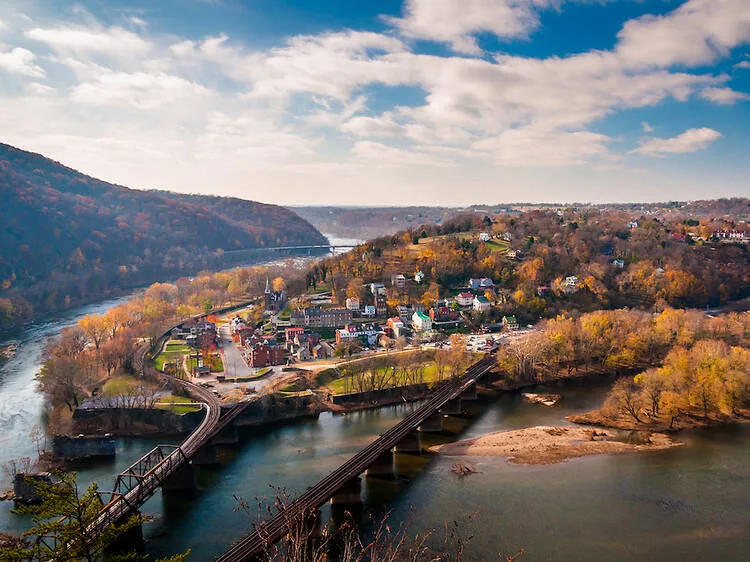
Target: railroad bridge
165,466
377,457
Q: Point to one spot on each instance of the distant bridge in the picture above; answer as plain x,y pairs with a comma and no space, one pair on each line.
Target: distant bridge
330,247
347,475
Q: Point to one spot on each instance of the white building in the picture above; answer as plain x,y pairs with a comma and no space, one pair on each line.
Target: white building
484,237
465,299
352,303
481,304
421,322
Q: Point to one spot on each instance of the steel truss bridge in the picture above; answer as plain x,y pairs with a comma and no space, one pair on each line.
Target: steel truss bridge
137,483
266,534
330,247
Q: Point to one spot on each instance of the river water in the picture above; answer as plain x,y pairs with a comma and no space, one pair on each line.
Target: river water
687,503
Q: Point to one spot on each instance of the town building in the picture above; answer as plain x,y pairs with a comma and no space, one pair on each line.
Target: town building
352,303
481,304
381,307
264,354
398,281
482,283
465,299
395,326
317,317
291,333
322,351
484,237
419,277
275,300
571,285
510,322
367,333
377,289
444,314
421,322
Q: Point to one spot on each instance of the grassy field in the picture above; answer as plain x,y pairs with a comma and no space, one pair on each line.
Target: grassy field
497,245
177,404
347,384
174,350
214,363
262,372
120,385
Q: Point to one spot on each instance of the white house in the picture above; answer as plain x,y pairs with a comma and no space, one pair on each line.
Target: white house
484,237
481,304
352,303
465,299
377,289
419,277
571,284
421,321
398,281
482,283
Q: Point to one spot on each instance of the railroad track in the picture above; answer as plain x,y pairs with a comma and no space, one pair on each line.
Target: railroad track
271,531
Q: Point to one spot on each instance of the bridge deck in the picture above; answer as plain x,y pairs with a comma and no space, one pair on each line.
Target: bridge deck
271,531
156,467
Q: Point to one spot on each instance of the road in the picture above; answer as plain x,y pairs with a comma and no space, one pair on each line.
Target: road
235,366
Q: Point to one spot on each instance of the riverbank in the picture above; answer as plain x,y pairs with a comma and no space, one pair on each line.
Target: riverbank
686,421
552,444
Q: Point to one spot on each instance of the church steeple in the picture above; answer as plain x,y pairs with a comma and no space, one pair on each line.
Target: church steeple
268,287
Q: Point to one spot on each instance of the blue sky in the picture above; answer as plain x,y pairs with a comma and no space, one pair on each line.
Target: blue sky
445,102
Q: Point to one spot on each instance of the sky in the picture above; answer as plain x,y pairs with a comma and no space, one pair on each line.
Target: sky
386,102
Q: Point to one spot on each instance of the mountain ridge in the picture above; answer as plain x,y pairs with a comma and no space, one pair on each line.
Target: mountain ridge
68,238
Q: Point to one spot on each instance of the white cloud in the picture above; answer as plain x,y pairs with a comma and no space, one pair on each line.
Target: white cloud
383,155
723,96
81,40
646,127
534,147
20,61
691,140
696,33
455,21
745,64
139,90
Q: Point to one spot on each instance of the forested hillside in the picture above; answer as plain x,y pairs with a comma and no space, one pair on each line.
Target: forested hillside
67,238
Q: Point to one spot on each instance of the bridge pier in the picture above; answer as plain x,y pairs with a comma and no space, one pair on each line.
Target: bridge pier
227,436
129,540
349,494
382,467
412,443
470,393
433,424
186,478
452,407
206,456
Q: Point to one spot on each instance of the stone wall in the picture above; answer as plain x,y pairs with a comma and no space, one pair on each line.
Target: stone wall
384,396
82,447
134,421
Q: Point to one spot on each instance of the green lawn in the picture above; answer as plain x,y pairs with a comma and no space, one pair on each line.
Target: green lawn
177,404
120,385
497,245
346,384
174,351
214,363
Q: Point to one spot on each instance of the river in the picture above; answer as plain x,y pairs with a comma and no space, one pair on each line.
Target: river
686,503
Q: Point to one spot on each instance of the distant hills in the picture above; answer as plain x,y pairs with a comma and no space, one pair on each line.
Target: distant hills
67,238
